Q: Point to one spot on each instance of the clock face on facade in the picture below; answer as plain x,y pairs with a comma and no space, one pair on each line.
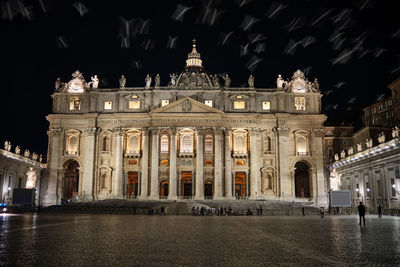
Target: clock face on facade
76,86
299,86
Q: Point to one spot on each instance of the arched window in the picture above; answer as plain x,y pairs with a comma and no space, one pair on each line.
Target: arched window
239,144
208,144
187,144
301,145
106,143
164,144
73,143
267,144
134,143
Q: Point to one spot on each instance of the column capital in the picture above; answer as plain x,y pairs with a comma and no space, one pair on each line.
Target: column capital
145,131
254,131
91,131
218,131
154,130
319,132
173,130
56,131
282,131
118,131
201,130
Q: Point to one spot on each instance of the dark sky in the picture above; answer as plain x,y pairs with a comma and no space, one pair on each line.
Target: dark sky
352,47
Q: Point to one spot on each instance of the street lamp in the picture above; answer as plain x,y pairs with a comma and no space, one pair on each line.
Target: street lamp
368,189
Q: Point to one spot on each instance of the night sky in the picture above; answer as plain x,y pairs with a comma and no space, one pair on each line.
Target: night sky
352,47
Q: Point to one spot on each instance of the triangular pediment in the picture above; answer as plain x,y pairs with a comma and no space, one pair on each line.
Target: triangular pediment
186,105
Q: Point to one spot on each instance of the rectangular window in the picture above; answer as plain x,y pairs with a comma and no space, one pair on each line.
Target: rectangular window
239,105
108,105
208,103
266,105
132,162
393,185
300,103
134,104
74,103
164,162
164,102
208,162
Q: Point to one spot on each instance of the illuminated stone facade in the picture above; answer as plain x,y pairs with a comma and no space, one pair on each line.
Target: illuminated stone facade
193,139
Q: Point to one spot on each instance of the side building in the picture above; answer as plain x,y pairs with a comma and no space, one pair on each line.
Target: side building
193,138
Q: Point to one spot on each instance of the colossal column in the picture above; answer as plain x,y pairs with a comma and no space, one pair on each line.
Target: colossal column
154,164
117,181
199,194
321,197
54,183
172,165
254,169
283,175
218,164
145,164
88,163
228,165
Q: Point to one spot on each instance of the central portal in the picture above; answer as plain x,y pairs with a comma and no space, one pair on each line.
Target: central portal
240,184
186,184
132,186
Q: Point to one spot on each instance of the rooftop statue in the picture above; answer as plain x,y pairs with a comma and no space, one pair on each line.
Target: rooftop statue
27,153
7,145
216,81
95,81
58,84
395,132
148,81
157,80
279,81
336,157
381,138
369,142
227,81
350,151
34,156
122,81
173,79
359,147
17,150
40,158
251,81
342,154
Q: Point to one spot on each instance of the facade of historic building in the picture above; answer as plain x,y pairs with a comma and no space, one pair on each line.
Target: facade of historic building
371,172
193,139
18,170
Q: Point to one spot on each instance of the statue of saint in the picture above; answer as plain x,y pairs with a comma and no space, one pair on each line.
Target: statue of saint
251,81
381,138
173,79
315,84
369,142
95,81
157,80
58,84
148,81
31,180
279,81
342,154
40,158
200,79
5,145
216,81
227,81
17,150
395,132
27,153
350,151
122,81
359,147
336,157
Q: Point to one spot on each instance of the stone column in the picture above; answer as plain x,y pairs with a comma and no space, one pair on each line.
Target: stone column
51,197
154,164
172,165
88,164
145,165
199,193
282,144
218,164
228,165
117,181
321,197
254,167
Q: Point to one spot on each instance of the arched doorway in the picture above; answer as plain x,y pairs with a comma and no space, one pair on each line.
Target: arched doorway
164,189
240,184
71,179
208,190
186,184
302,180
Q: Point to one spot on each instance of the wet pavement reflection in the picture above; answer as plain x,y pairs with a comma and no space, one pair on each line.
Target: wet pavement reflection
101,240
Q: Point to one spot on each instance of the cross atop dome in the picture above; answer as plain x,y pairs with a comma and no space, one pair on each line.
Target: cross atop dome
194,60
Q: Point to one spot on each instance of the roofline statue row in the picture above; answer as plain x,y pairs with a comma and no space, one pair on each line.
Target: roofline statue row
193,77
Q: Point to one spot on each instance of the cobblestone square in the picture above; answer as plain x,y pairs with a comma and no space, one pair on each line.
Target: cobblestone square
131,240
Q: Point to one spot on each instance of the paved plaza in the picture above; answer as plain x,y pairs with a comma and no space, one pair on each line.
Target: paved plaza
129,240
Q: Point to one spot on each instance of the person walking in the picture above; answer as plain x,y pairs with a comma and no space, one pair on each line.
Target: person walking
379,211
322,211
361,212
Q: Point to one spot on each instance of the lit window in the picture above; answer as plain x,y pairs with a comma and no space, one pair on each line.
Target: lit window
240,162
239,105
134,104
164,144
132,162
301,145
164,162
208,103
300,103
75,103
266,105
208,162
134,96
208,144
72,144
164,102
108,105
239,97
134,143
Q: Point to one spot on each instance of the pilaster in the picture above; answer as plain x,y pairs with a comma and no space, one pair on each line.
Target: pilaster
172,165
199,193
154,164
